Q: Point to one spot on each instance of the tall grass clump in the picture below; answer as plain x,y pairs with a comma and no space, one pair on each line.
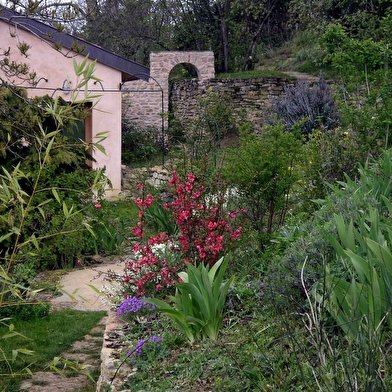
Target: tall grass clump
338,277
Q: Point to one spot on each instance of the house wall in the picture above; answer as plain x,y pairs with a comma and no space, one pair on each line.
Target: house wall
56,67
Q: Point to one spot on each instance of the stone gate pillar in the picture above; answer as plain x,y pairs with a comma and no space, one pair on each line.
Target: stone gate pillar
146,101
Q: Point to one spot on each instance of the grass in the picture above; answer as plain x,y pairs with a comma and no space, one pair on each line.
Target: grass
253,353
257,73
47,337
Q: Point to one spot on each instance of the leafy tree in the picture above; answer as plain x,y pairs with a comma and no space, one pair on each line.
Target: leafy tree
233,29
64,15
361,18
129,28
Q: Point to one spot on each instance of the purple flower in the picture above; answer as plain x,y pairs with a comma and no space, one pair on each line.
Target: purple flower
138,349
156,339
139,346
133,305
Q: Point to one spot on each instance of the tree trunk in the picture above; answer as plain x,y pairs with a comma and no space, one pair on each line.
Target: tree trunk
224,37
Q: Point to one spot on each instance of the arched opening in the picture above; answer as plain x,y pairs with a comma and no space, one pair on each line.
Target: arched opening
183,71
183,80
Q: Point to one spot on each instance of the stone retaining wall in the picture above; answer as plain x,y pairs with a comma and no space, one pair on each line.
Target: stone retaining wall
144,102
148,103
251,96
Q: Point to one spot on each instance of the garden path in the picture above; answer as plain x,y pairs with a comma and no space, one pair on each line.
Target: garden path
79,294
79,287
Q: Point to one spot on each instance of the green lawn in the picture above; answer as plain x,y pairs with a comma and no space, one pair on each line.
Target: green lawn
47,337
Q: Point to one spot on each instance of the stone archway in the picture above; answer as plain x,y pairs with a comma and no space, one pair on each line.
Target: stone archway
161,63
147,100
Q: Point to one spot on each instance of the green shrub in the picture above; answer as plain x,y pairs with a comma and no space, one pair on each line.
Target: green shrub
348,199
138,143
111,223
201,138
263,172
329,155
33,165
309,106
25,311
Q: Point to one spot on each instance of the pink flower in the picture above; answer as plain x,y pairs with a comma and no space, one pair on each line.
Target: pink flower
196,195
137,231
174,179
191,177
158,287
180,189
236,233
139,202
212,225
98,205
140,186
148,201
126,279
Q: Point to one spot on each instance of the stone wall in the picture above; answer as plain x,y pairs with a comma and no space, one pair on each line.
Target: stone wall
147,103
249,95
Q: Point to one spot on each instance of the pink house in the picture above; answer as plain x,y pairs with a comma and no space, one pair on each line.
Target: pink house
50,56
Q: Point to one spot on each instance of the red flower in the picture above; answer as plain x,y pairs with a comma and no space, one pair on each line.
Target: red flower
137,231
148,201
236,233
191,177
98,206
174,179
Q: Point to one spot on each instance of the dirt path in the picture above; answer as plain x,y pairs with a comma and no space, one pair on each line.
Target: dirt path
80,296
80,287
303,76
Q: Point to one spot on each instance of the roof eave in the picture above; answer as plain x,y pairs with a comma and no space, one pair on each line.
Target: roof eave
129,69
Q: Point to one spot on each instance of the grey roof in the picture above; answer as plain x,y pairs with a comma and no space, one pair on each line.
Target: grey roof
130,70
